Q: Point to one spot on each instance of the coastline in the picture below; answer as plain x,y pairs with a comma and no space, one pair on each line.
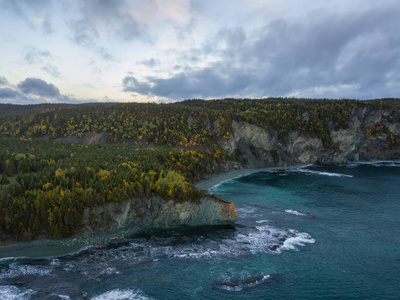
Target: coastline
220,178
77,243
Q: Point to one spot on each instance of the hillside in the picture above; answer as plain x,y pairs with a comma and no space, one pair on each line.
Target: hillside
126,151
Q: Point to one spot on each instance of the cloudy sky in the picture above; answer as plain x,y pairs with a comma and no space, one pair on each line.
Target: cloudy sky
165,50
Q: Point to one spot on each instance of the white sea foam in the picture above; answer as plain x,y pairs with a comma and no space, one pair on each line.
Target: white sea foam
295,212
377,163
109,271
11,292
245,210
55,262
305,166
261,238
261,221
213,188
320,173
22,270
124,294
300,239
65,297
271,239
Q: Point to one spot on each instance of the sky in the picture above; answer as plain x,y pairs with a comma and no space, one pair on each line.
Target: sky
170,50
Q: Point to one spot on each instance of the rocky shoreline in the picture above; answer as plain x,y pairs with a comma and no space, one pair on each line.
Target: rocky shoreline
155,213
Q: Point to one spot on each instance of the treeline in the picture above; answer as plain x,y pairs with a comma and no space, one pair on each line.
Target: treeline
45,186
310,117
160,125
188,123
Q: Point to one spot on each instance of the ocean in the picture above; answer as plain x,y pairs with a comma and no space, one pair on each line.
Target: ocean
309,232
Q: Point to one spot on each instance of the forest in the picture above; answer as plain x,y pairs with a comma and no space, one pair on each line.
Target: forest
149,150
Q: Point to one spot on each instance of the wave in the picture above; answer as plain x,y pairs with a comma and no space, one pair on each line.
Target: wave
15,270
300,239
64,297
12,292
214,187
109,271
312,172
295,212
262,221
305,166
122,294
247,241
245,210
271,239
377,163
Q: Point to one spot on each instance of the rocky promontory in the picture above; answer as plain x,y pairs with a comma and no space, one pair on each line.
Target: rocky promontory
157,213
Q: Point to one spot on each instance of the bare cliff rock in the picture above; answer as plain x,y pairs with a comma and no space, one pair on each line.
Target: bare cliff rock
156,213
372,134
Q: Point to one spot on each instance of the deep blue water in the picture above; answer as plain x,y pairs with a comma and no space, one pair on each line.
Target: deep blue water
304,233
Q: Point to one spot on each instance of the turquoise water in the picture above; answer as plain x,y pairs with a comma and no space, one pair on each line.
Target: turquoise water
304,233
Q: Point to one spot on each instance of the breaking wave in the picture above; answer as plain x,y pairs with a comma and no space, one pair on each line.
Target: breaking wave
15,270
213,188
11,292
379,163
298,213
313,172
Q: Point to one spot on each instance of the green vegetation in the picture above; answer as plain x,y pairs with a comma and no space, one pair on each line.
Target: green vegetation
307,116
55,182
163,125
150,150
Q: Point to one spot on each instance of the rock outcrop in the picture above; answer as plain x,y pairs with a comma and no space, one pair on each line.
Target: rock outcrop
156,213
371,135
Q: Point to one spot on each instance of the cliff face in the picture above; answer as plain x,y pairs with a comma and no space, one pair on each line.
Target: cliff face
153,213
371,134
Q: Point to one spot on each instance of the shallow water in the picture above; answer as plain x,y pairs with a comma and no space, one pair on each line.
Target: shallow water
304,233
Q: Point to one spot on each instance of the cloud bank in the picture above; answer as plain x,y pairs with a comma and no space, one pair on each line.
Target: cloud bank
146,50
32,91
352,54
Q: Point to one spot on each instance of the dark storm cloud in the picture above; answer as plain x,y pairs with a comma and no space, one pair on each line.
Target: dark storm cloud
353,54
34,91
131,84
34,55
8,93
38,87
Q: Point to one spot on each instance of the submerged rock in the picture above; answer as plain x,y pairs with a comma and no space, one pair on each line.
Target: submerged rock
156,213
239,283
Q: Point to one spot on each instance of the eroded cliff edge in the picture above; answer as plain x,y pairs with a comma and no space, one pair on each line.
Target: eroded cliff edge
155,213
370,135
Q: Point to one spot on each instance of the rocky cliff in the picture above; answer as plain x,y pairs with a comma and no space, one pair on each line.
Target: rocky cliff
371,134
156,213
